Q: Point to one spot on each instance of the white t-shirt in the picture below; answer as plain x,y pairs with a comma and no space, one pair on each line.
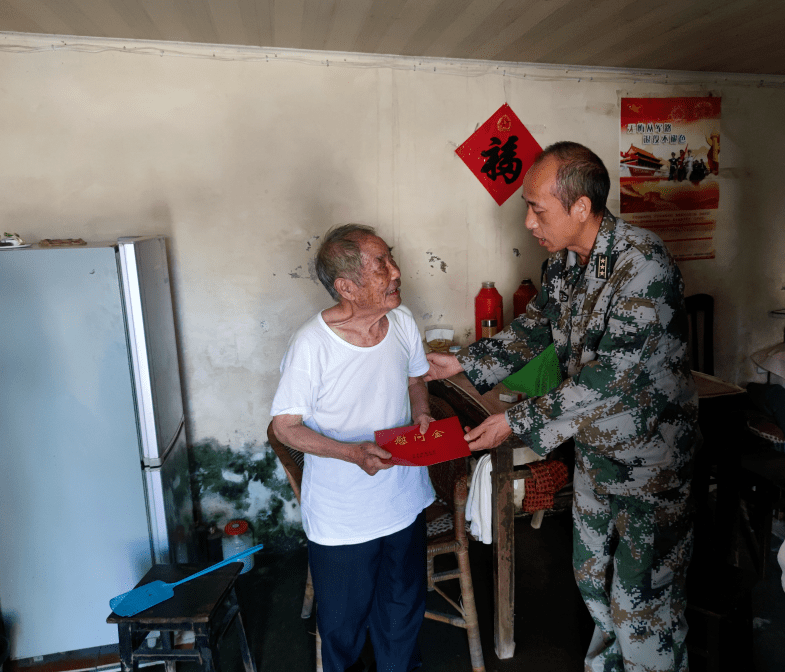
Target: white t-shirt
346,392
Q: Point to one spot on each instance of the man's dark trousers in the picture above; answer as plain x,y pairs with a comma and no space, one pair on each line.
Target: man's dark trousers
376,586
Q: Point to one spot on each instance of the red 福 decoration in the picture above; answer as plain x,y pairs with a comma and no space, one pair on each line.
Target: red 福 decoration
499,153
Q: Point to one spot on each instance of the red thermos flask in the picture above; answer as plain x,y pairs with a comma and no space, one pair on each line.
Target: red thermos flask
525,293
488,310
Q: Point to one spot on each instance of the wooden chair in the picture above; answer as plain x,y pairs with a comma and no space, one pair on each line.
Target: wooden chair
446,534
472,409
292,462
720,421
700,350
700,344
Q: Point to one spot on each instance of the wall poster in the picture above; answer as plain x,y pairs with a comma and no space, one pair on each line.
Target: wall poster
669,161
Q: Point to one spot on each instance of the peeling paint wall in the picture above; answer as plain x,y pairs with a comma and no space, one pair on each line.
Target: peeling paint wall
244,157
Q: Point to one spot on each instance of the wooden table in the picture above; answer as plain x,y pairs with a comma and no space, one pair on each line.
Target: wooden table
206,606
472,408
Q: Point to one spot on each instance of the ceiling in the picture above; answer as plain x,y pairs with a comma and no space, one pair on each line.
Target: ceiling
740,36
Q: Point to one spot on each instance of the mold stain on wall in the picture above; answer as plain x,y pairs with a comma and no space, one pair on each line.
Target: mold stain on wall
247,484
300,274
433,259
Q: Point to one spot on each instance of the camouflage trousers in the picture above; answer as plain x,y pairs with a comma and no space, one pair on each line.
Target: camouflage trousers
630,558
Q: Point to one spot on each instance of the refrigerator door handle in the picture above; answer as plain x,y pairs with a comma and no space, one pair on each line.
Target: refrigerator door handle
158,461
140,365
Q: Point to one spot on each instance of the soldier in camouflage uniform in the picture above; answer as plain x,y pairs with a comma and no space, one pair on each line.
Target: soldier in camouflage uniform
612,303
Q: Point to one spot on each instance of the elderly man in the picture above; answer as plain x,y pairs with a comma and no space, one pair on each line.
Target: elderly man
612,304
351,369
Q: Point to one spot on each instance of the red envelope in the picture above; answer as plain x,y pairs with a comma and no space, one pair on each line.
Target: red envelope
442,441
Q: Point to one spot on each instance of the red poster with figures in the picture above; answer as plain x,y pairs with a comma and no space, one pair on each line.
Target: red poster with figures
442,441
499,153
668,168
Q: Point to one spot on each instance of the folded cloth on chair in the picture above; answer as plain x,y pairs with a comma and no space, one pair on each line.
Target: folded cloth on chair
478,508
548,477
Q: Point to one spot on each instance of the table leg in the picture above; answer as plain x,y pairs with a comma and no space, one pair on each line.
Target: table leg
503,550
245,651
167,647
126,646
202,644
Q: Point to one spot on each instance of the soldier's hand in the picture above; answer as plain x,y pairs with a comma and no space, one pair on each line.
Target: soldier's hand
443,365
493,430
370,456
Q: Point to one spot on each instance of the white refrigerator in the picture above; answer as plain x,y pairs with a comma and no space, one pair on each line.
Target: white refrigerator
94,482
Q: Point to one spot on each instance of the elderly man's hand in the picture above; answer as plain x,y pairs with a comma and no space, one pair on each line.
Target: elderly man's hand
424,420
370,456
442,366
493,430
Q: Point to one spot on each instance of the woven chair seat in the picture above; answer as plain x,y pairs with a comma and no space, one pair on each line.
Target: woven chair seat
439,523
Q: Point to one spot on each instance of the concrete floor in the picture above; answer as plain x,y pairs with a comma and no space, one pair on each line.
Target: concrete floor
552,627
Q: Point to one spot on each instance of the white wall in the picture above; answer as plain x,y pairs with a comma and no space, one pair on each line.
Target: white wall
244,158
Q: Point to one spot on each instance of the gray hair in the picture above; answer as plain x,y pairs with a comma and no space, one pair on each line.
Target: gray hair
339,256
581,173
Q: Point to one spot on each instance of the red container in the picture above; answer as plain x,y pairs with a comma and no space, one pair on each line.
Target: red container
488,306
525,293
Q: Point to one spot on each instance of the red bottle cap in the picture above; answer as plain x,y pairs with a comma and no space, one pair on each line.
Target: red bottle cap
236,527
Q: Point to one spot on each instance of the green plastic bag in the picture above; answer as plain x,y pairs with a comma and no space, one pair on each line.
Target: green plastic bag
539,376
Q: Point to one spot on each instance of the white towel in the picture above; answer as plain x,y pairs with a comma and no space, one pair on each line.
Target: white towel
479,510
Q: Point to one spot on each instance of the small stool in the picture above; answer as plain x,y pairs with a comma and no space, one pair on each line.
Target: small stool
206,606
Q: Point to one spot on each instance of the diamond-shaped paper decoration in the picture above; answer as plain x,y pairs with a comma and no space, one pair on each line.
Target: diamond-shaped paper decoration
499,153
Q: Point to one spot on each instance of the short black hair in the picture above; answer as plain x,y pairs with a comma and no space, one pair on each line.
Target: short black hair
581,173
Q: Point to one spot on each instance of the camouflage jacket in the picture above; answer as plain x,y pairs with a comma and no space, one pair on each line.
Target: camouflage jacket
619,327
